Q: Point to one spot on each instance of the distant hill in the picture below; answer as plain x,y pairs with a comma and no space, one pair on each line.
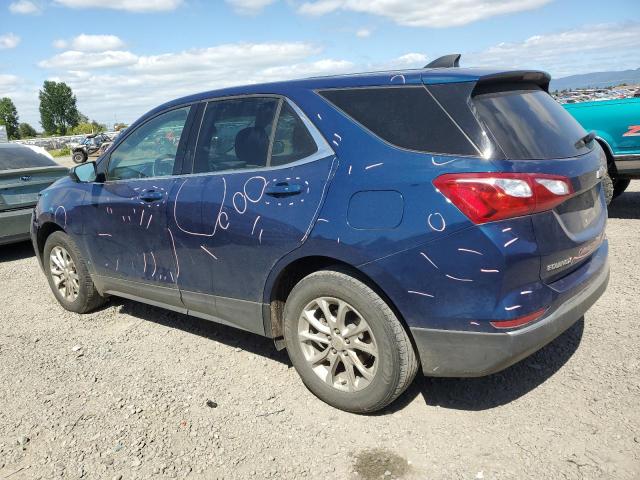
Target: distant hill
596,79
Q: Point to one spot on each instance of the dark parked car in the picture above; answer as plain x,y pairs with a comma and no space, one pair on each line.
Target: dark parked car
451,219
24,173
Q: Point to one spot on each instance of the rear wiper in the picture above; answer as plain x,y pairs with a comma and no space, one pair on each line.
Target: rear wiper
586,140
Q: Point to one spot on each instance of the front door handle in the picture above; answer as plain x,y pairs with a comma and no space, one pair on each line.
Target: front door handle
280,190
151,196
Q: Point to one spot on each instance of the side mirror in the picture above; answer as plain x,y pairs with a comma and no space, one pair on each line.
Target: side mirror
86,173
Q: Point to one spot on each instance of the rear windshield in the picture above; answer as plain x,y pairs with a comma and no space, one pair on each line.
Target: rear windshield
407,117
14,156
527,123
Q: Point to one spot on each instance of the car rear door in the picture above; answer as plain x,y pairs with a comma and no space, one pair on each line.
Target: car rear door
259,176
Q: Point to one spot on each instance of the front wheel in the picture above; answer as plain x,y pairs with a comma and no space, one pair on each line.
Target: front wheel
79,157
347,345
68,275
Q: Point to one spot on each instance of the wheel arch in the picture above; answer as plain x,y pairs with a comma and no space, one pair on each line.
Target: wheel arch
45,230
611,164
288,276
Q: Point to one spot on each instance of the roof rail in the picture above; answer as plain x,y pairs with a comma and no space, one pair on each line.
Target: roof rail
446,61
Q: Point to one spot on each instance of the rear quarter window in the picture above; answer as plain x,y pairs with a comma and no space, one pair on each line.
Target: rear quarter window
407,117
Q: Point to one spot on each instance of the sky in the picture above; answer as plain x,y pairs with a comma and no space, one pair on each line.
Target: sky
124,57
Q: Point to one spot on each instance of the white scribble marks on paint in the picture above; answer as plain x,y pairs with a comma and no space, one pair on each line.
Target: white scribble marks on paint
253,229
510,242
433,216
398,77
422,294
144,257
350,167
208,251
335,143
469,251
458,279
104,234
141,217
260,237
64,210
175,254
244,188
117,264
244,201
474,323
323,220
338,137
149,222
514,307
429,260
154,264
526,292
373,165
324,189
171,275
487,270
438,164
506,229
319,116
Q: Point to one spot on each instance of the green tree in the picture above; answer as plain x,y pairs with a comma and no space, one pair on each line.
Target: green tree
58,110
86,127
26,130
9,118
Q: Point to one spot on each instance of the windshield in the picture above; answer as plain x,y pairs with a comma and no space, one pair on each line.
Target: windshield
527,123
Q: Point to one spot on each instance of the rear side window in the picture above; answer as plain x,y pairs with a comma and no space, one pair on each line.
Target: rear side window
407,117
527,123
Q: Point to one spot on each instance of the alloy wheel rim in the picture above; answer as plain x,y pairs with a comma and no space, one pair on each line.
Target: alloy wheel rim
338,344
64,273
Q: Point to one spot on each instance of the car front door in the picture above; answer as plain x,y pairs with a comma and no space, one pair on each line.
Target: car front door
260,171
126,221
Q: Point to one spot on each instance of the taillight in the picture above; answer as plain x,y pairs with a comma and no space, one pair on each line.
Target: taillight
486,197
520,321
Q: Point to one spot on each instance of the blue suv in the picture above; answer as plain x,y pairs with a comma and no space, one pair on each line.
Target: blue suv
443,218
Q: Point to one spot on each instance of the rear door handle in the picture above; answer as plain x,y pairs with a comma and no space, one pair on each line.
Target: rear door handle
151,195
284,190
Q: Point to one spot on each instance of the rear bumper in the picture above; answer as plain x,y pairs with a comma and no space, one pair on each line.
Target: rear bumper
447,353
15,225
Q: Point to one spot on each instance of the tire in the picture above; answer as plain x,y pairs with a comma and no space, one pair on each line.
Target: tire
390,371
619,186
79,157
87,297
607,185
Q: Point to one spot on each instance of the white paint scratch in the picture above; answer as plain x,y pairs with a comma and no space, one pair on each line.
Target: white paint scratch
208,251
469,251
374,165
436,214
429,260
458,279
421,294
254,224
510,242
514,307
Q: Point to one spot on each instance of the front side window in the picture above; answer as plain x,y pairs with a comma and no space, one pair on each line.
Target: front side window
151,150
235,134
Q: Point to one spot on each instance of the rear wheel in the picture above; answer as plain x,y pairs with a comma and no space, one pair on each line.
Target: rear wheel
619,186
79,157
68,275
607,185
347,345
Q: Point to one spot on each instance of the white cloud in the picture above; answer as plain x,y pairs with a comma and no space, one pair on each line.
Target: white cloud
24,7
73,59
586,49
249,7
363,33
9,40
412,60
424,13
128,5
60,43
94,43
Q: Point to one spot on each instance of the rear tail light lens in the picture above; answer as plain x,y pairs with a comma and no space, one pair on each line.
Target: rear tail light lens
520,321
487,197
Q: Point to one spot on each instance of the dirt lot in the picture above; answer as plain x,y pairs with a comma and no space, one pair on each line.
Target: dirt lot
135,392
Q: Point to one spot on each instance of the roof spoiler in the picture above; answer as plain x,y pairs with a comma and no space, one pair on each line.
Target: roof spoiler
446,61
536,77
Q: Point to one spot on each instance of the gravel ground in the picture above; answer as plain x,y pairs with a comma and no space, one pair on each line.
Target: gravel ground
133,391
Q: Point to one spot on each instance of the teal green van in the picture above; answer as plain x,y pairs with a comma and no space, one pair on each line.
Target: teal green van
617,127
